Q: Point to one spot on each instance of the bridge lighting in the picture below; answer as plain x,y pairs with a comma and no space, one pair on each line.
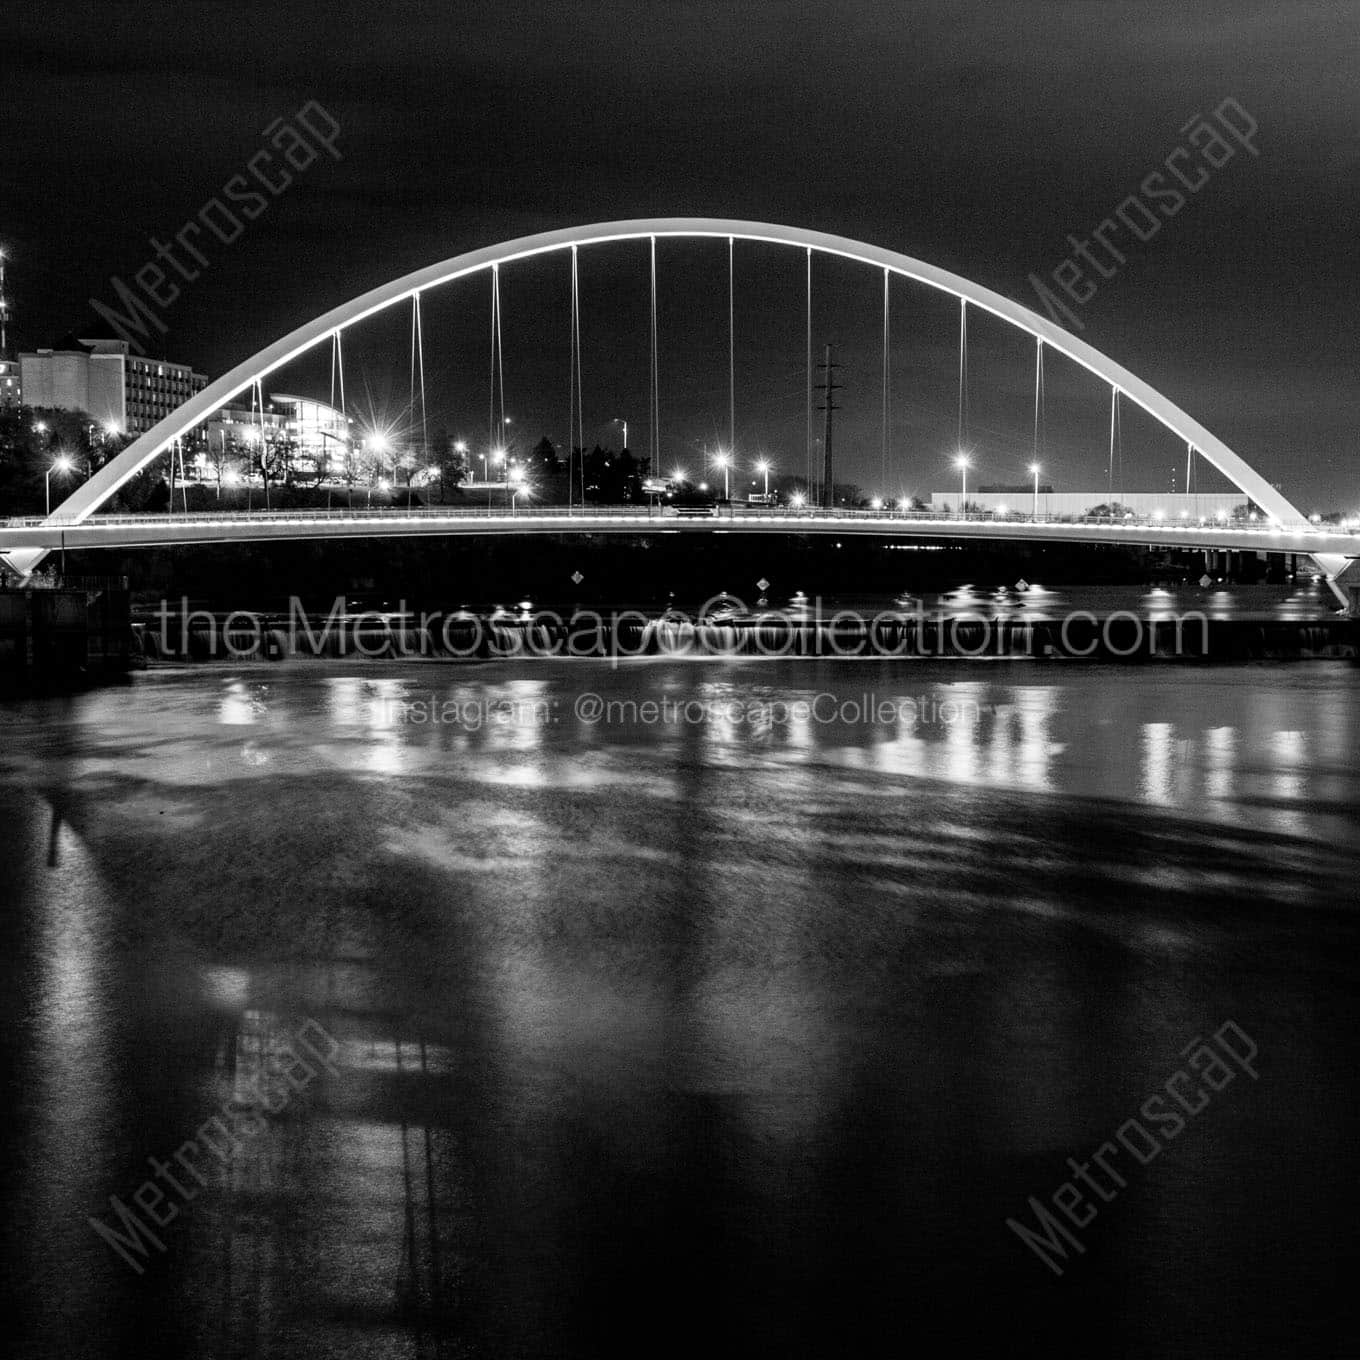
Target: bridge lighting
722,460
60,464
961,462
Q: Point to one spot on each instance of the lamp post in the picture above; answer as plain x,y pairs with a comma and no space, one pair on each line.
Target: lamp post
518,487
62,465
763,468
621,420
961,462
723,461
1034,468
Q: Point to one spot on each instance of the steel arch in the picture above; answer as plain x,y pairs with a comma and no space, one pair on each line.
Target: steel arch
86,499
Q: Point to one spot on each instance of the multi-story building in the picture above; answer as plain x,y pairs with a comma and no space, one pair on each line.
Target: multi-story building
101,377
11,388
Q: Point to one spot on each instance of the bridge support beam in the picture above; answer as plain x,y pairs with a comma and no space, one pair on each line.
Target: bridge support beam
1343,575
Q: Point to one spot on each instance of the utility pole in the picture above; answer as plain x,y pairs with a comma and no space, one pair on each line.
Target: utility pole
829,387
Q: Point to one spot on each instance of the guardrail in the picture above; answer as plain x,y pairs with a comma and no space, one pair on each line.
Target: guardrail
734,513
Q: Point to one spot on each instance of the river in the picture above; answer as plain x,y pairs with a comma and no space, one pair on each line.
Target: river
675,1007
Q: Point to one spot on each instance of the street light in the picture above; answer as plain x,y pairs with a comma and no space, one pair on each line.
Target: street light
518,487
763,468
1034,468
721,460
961,462
621,420
62,465
797,500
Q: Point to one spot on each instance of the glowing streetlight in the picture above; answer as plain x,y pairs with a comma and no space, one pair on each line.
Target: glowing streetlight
112,429
498,457
720,459
519,487
961,462
763,468
1034,470
679,475
63,465
876,503
798,500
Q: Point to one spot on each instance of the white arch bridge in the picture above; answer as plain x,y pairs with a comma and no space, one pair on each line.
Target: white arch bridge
77,523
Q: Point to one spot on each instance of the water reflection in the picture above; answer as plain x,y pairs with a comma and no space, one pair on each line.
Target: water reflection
770,1010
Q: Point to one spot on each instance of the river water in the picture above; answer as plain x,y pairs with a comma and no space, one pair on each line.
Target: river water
744,1021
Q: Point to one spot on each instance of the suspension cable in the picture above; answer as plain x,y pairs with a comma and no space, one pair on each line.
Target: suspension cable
571,388
1116,463
808,389
491,400
655,394
883,478
963,373
1038,396
731,353
418,341
497,363
575,402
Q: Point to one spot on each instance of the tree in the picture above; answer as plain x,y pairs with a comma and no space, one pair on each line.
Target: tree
542,461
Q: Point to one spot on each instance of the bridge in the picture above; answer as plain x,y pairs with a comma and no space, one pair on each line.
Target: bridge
77,521
162,530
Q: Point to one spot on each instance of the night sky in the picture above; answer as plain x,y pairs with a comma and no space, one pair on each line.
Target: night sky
975,136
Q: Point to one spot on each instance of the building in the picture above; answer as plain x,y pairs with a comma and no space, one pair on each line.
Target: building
11,386
1076,504
103,378
318,432
11,393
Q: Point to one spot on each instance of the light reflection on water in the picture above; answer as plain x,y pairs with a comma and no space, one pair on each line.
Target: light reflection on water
632,1009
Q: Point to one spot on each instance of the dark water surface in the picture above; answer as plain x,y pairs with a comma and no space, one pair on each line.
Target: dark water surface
739,1031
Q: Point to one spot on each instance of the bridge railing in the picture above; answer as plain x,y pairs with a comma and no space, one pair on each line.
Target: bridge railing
596,513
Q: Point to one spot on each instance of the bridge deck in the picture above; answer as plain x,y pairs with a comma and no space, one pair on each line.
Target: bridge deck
134,531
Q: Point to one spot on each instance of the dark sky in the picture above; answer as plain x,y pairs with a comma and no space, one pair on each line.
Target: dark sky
975,136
